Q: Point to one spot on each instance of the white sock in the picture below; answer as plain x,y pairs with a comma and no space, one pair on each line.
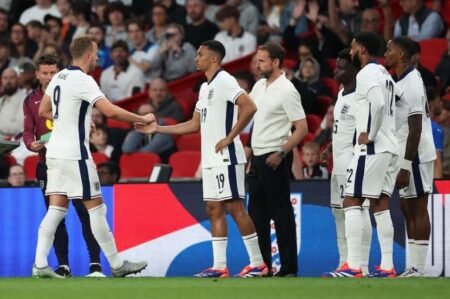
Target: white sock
353,232
219,253
421,247
100,230
385,231
339,219
46,234
366,240
252,246
411,261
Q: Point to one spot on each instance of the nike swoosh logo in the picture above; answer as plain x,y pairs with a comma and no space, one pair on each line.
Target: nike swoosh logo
37,102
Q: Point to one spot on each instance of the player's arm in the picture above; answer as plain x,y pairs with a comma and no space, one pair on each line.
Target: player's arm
412,142
188,127
246,111
113,111
301,129
375,98
45,108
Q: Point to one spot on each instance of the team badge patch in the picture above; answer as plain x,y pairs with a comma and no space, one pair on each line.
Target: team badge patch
97,186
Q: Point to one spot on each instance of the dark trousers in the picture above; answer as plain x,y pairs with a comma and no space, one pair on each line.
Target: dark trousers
61,242
270,198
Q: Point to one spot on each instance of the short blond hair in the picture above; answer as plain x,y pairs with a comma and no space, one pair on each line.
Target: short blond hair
80,45
313,146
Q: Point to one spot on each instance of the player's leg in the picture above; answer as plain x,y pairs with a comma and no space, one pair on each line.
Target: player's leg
85,185
366,237
257,209
92,245
406,206
337,187
55,214
422,229
276,184
61,241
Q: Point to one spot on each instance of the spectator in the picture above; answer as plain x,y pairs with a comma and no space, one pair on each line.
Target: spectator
293,18
38,12
324,133
144,54
435,110
108,173
34,30
308,48
442,69
97,32
175,12
98,7
159,20
418,22
178,56
16,177
344,18
97,117
122,79
309,73
21,46
245,80
81,17
236,40
163,102
11,113
427,76
53,49
370,22
99,141
55,28
4,25
115,14
6,61
200,28
312,168
27,76
269,29
249,15
162,144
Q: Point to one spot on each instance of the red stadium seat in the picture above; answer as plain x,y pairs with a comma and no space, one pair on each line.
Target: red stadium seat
190,142
10,160
313,122
138,165
332,63
323,102
112,123
29,167
184,164
99,158
332,85
431,52
308,138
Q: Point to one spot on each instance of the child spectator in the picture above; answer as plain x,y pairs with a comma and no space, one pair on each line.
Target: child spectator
312,168
98,141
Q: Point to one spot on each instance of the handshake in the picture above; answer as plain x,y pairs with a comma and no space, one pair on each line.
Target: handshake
148,125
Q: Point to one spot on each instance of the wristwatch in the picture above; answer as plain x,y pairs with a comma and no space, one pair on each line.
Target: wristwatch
282,154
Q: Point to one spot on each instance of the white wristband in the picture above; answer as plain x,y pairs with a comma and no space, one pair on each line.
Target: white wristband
406,164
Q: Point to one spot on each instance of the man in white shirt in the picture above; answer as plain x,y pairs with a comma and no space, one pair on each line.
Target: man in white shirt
68,101
11,102
144,54
223,157
371,173
236,40
417,151
38,12
279,109
344,130
123,79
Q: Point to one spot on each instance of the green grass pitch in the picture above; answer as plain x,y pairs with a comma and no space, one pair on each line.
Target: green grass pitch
166,288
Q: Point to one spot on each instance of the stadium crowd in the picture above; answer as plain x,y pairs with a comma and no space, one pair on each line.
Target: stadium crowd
146,57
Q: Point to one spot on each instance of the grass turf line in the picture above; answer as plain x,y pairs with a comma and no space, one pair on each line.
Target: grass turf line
130,288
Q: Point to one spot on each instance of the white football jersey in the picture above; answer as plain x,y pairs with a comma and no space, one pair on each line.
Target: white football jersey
344,131
218,115
370,76
414,101
72,93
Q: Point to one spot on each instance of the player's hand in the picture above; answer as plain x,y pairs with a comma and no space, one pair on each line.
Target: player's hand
364,138
36,146
324,157
223,144
274,160
148,118
402,179
146,128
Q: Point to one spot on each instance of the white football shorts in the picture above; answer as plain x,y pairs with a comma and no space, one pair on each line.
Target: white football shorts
77,179
420,180
337,191
224,182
